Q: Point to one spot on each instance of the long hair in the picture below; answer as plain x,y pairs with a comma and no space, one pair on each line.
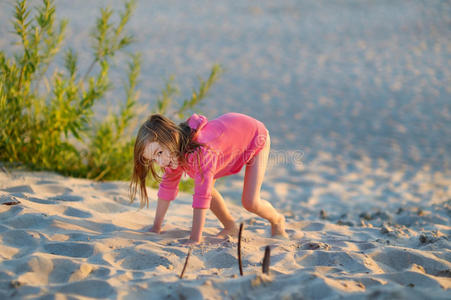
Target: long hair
178,139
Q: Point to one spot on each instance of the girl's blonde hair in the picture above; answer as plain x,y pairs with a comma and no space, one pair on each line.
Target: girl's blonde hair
178,139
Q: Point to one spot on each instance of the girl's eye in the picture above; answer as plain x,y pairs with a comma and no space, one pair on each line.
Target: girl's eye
159,152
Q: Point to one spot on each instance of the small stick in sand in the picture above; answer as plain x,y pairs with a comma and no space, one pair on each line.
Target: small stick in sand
266,260
239,249
186,263
11,203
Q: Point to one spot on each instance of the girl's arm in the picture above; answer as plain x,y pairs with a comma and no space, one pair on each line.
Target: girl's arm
198,224
167,191
203,185
162,208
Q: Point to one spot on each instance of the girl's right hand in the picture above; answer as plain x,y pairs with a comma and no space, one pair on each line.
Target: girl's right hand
155,229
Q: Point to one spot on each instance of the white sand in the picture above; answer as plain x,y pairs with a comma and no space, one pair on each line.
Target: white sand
78,238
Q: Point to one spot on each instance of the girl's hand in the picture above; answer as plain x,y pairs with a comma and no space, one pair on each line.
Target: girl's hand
162,207
155,229
198,225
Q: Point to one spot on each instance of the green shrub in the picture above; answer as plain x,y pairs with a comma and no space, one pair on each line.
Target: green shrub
54,128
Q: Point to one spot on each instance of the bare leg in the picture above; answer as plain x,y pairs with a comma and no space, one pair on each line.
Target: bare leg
220,210
253,178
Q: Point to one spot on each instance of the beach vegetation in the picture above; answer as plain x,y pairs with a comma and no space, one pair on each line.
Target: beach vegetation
48,100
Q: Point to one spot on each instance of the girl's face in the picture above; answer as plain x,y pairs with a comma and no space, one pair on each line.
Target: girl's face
154,152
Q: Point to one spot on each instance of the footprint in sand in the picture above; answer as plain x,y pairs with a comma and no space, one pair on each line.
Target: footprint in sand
132,259
18,238
46,182
67,198
79,237
70,249
62,270
17,243
41,201
221,260
402,259
10,212
32,221
66,270
90,288
104,186
19,189
52,189
348,262
101,272
73,212
366,246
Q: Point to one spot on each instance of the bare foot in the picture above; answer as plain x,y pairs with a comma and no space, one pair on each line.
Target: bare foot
228,231
155,229
278,228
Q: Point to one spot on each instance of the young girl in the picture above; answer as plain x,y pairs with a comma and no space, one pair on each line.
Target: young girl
205,150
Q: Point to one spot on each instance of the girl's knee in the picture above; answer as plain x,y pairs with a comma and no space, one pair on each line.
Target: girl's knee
250,205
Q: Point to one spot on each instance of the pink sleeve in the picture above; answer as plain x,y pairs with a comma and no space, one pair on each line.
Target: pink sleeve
204,179
169,185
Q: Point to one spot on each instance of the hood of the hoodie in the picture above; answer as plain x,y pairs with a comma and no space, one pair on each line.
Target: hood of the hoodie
207,132
197,121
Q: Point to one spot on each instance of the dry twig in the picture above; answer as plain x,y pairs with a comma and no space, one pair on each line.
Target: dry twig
186,262
239,249
11,203
266,260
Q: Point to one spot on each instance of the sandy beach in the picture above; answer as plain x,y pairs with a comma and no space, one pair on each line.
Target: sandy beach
74,238
356,96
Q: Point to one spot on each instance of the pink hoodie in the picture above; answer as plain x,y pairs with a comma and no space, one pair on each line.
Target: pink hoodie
231,141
